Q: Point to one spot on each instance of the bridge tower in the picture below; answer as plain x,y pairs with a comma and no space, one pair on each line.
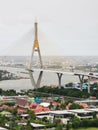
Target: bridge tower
35,47
31,71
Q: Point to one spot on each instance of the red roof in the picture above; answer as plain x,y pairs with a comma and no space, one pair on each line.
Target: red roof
33,106
46,109
21,111
22,102
37,108
68,106
23,121
41,109
84,105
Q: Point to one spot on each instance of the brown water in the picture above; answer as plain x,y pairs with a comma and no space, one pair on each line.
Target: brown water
47,79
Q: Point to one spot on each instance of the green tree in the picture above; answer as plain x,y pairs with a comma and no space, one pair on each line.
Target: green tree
75,122
31,114
85,123
59,127
0,91
69,84
75,106
68,126
28,126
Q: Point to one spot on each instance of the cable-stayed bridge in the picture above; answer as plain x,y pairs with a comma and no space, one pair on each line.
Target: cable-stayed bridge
31,70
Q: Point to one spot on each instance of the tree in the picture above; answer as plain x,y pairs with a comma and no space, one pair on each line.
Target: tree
31,114
85,123
75,106
69,85
0,91
59,127
28,126
75,122
68,126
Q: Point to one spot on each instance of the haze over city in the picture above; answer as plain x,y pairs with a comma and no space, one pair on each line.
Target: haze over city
66,27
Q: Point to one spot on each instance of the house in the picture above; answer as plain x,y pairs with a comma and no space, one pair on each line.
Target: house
94,110
84,105
63,115
22,103
37,126
37,108
82,113
41,127
21,110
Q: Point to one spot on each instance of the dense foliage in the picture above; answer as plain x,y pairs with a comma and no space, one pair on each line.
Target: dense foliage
85,123
64,92
71,92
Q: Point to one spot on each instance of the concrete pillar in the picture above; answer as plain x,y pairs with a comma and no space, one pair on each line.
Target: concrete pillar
81,78
89,85
39,79
59,79
35,84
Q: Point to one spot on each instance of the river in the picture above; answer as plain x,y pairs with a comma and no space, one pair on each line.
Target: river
47,79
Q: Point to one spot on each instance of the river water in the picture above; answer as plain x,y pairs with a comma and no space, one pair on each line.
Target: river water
20,84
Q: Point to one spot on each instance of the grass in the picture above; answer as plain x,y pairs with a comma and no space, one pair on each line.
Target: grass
90,128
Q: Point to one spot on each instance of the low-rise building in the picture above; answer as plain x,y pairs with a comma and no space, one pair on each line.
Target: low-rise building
82,113
63,115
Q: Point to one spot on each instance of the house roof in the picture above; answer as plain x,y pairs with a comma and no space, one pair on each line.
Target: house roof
21,110
21,102
60,112
33,105
45,104
23,121
41,109
5,113
2,128
84,105
93,109
80,111
37,125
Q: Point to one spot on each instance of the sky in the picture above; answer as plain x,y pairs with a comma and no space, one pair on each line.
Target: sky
65,27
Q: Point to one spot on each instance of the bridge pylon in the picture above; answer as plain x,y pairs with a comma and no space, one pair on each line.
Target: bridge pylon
31,71
35,49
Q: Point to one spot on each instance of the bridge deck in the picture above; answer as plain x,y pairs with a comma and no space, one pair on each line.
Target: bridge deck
64,72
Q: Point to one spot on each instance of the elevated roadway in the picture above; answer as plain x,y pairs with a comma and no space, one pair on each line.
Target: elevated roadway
59,75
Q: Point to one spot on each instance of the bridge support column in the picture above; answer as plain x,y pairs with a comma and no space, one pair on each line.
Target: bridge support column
36,84
88,84
81,78
59,79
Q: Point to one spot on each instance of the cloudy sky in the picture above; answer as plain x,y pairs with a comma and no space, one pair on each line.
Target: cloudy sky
66,27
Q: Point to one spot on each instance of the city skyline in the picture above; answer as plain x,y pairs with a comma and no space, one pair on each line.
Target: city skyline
65,27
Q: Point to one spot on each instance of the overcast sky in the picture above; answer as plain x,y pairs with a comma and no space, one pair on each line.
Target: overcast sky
66,27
